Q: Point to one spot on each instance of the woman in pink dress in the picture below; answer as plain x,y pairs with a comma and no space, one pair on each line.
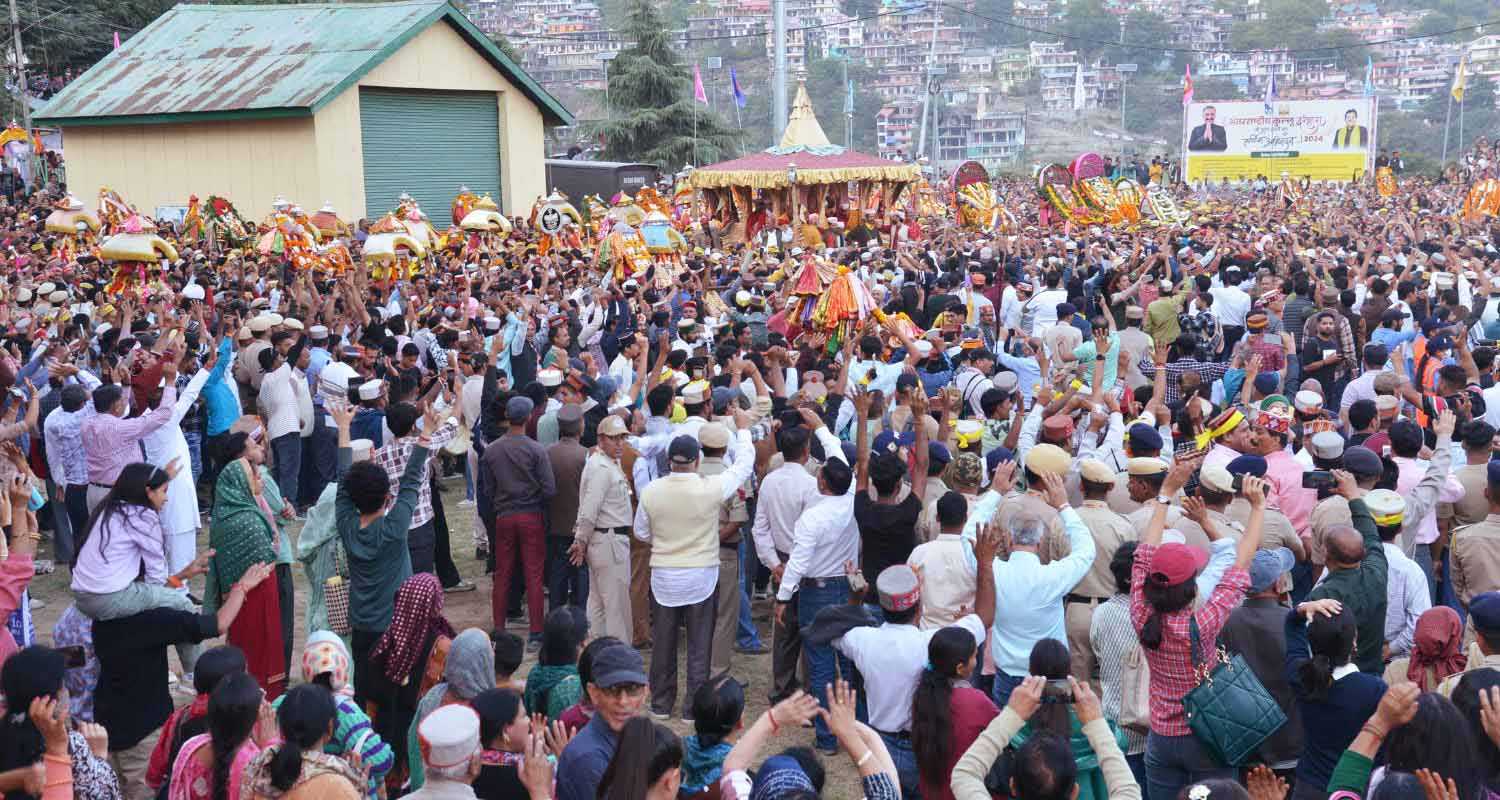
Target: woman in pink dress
209,766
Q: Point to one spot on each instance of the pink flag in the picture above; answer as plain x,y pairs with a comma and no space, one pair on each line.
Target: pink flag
698,93
1187,86
117,40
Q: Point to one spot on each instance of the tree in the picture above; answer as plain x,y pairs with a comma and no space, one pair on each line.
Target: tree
1146,34
1090,26
1286,23
653,116
503,42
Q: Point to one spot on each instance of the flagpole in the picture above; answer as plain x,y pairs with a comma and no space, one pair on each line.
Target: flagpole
1447,118
1461,126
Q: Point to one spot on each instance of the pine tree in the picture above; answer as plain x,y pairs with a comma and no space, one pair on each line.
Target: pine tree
651,104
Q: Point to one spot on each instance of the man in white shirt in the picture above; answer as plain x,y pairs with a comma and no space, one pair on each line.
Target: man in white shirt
1043,306
1030,592
785,493
1011,301
622,369
1407,596
679,515
825,538
1230,305
278,404
891,657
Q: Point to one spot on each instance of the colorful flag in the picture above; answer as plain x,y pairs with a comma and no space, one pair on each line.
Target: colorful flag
1460,78
734,86
698,93
1187,86
117,40
1270,94
1369,76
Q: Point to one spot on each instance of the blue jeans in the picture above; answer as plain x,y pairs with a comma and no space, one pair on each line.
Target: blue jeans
906,764
194,439
811,599
468,481
1004,685
286,449
1173,762
748,635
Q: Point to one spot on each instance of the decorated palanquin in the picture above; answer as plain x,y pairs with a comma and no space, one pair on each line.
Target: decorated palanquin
623,251
410,216
288,233
391,252
136,252
684,209
77,224
666,245
598,216
1385,181
558,222
481,229
973,198
215,224
113,211
1483,200
804,174
1055,185
1109,200
463,203
1162,207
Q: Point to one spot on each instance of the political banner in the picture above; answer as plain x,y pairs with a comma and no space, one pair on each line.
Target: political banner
1325,140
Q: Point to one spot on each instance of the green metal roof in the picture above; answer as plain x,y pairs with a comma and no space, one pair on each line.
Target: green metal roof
216,62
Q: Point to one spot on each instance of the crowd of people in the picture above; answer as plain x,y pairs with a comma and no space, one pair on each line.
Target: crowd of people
1007,535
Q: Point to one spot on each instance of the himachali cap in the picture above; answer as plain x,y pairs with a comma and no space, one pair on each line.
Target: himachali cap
1058,427
448,737
1047,459
1387,507
370,390
898,588
1135,312
318,333
360,449
550,377
1005,381
1363,462
193,292
1325,445
1307,401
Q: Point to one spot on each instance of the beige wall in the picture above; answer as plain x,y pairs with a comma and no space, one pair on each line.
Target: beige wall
438,59
249,162
309,160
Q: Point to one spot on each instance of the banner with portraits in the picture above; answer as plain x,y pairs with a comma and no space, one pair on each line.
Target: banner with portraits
1324,140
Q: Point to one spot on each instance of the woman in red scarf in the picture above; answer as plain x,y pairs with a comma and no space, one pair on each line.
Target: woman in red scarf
407,660
1436,651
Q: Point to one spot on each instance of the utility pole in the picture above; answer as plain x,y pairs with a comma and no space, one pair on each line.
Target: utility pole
848,108
927,104
778,83
15,30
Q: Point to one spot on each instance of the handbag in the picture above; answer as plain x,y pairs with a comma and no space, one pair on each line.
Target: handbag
1135,691
336,592
1229,711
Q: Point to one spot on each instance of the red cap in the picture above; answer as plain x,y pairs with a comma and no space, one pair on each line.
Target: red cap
1177,563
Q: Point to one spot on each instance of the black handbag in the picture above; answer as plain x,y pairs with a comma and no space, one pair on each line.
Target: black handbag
1229,711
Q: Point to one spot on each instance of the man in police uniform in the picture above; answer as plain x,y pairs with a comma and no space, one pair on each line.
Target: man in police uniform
1475,558
1110,530
601,536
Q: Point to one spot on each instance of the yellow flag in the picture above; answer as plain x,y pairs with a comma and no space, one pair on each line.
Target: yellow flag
1459,78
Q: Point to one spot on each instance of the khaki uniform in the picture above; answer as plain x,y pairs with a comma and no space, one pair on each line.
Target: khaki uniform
727,616
1275,529
1110,530
1329,513
604,527
1474,506
1475,558
1192,533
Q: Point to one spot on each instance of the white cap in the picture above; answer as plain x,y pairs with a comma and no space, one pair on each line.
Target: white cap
550,377
449,738
318,332
360,449
370,390
193,292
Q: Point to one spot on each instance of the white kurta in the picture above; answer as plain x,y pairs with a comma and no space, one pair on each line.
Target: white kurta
179,517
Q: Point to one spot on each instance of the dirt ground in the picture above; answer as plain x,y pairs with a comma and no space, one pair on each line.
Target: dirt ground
472,610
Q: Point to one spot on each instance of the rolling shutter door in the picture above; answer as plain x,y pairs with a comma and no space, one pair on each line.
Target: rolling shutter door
428,144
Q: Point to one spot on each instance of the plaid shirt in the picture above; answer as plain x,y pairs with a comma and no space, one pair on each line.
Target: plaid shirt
392,458
1203,326
1172,672
1210,370
1268,346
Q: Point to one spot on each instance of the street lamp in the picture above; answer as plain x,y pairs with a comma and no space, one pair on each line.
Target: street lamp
791,179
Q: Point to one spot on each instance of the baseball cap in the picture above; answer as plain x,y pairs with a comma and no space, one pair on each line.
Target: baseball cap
518,408
618,665
1362,461
1176,563
1268,566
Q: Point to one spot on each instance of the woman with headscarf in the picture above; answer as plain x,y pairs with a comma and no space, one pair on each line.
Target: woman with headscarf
244,532
325,661
298,768
470,670
1436,651
418,635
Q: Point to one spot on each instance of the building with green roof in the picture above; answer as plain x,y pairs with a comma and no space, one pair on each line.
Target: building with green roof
350,104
